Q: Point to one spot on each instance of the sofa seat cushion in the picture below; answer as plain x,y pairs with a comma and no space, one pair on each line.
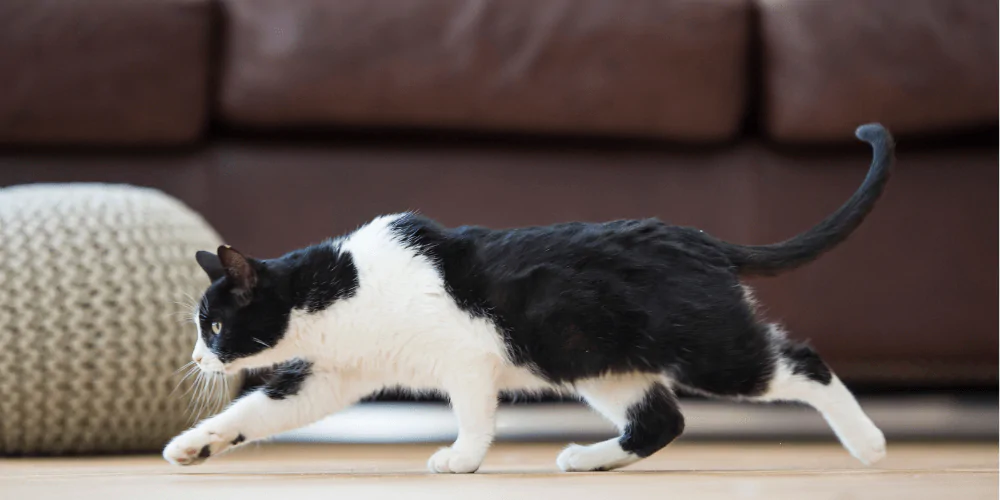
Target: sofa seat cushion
661,68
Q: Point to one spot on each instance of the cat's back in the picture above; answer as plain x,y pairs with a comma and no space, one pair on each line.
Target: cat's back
622,244
486,267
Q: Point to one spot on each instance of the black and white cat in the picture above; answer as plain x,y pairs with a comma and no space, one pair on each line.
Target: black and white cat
621,313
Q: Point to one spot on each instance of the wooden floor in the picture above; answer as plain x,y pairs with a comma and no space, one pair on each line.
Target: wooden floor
518,472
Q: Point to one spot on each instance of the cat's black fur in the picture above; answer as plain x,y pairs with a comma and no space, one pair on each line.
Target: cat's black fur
287,379
653,423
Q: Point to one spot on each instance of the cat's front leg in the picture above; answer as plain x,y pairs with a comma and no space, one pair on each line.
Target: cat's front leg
473,394
294,397
196,445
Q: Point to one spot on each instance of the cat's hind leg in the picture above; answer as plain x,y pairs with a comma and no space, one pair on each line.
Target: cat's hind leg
800,375
645,412
757,362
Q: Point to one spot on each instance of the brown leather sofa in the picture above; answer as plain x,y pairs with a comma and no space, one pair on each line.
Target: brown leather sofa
285,122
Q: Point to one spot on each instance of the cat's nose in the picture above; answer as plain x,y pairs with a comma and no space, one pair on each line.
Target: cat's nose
197,358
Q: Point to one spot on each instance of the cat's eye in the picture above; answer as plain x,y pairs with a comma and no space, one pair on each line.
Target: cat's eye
216,327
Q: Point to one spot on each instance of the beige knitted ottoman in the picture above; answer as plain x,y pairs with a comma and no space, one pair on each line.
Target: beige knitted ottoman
95,285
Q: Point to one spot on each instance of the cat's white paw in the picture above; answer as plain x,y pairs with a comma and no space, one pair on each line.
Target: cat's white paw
601,456
576,459
449,460
871,449
196,445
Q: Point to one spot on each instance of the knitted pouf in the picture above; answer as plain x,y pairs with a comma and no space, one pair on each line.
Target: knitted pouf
96,282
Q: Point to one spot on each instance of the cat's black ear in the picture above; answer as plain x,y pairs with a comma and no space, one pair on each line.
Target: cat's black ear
211,264
239,271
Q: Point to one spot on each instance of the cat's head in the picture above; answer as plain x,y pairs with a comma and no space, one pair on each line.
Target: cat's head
243,315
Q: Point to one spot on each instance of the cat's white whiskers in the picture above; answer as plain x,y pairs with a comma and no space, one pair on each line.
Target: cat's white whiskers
192,390
190,300
214,394
209,395
183,319
188,309
190,370
225,394
184,367
193,393
182,313
261,342
217,392
202,393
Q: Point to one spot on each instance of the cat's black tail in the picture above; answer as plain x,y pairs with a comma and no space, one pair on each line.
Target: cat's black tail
789,254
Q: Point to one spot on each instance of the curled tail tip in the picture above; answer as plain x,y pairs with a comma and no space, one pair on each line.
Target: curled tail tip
874,133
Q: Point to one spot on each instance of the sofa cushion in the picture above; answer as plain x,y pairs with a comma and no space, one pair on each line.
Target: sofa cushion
103,71
922,67
660,68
